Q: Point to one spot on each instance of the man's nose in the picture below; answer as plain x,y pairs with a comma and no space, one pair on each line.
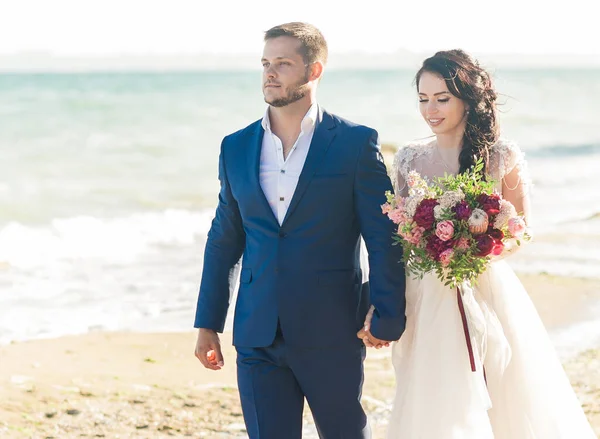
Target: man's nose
270,72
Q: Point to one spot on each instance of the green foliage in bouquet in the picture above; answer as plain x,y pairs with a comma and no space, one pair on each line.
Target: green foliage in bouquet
454,225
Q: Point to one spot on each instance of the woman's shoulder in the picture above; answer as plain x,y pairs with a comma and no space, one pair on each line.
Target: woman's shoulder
413,149
505,155
504,146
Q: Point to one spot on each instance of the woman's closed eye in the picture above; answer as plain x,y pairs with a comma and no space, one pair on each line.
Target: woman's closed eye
443,100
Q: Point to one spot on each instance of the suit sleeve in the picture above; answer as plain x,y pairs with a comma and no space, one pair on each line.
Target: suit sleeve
224,247
386,273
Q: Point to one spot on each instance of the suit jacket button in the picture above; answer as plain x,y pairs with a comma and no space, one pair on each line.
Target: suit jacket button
282,234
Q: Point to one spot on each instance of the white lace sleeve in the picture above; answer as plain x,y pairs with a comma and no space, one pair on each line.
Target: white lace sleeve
403,163
508,167
398,179
507,159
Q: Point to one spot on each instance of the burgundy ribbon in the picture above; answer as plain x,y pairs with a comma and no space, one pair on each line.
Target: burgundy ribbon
463,316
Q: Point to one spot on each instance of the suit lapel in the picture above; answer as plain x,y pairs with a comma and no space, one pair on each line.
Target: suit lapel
256,140
322,138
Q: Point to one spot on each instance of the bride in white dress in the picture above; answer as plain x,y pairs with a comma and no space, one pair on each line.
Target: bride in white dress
519,389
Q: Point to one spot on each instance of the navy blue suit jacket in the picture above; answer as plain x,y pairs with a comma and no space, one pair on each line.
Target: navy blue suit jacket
306,272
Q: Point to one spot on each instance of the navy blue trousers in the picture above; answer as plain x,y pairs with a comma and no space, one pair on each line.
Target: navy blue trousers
274,381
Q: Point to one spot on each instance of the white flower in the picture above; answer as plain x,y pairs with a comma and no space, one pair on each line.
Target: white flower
411,205
414,178
416,191
507,211
451,198
418,186
438,211
508,208
501,220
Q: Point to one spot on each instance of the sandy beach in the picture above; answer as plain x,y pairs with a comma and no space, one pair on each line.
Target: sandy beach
139,385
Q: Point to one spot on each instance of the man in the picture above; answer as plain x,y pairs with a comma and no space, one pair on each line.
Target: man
298,189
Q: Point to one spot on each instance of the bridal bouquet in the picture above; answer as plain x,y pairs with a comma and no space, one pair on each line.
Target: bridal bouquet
454,225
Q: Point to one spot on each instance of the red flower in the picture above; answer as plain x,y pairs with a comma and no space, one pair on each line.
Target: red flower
490,203
424,213
498,248
435,246
462,210
497,234
485,244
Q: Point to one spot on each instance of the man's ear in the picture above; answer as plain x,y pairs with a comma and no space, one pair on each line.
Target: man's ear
316,71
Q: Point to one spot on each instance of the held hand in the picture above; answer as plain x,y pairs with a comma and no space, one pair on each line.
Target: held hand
370,340
365,335
208,349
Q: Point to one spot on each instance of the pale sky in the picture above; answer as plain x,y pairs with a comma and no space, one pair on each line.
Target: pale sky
145,27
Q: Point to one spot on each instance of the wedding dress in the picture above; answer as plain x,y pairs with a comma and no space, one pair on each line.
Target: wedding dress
489,372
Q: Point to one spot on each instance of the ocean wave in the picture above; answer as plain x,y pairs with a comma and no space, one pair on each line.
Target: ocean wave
118,240
565,150
587,218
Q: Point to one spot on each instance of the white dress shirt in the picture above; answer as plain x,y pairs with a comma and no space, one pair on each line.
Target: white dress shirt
279,176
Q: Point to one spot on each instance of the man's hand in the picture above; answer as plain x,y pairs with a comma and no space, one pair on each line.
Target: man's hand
370,340
208,349
365,334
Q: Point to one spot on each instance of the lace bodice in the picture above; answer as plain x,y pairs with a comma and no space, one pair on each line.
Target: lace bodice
423,157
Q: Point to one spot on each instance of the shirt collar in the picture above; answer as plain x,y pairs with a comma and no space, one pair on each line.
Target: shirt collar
308,122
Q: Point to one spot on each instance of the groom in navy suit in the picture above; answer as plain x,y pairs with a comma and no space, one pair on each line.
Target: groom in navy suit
298,189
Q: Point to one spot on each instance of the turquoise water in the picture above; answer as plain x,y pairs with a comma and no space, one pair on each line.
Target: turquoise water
108,182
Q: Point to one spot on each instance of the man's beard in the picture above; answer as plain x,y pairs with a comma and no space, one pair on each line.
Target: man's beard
295,93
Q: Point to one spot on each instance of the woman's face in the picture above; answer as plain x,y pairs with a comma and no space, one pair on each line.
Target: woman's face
443,112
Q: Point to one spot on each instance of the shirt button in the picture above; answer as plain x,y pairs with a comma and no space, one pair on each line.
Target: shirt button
281,199
282,171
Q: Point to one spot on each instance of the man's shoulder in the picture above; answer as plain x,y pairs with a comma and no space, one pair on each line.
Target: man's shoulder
348,124
244,132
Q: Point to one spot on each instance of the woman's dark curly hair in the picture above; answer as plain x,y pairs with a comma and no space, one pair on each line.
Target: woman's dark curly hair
468,81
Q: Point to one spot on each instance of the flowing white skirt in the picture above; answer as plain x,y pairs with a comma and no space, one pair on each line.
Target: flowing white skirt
521,392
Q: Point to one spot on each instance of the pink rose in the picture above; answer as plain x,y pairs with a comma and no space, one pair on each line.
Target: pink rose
398,216
414,235
516,226
445,230
446,257
462,243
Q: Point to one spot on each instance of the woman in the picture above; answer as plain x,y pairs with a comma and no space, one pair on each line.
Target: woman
519,389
